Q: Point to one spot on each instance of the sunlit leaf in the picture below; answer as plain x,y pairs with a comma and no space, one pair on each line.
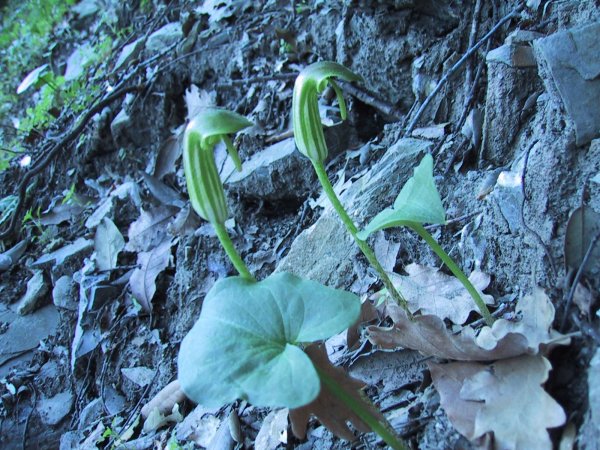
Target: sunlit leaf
418,201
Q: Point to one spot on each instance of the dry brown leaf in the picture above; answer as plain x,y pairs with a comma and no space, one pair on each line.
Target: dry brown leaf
448,380
429,335
505,398
150,229
165,399
515,406
331,411
368,313
143,278
433,292
197,99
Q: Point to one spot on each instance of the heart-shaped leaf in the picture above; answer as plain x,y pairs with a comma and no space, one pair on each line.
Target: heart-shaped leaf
418,201
245,345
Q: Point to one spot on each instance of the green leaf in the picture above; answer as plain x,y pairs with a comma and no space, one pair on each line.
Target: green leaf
418,201
246,343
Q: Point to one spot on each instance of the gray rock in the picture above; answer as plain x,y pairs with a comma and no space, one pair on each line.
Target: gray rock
119,128
326,252
589,434
275,173
164,37
91,413
570,67
508,89
36,289
129,53
24,334
64,293
54,409
512,55
58,257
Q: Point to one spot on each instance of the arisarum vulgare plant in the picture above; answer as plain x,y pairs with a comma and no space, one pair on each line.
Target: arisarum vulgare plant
205,188
418,203
310,140
250,338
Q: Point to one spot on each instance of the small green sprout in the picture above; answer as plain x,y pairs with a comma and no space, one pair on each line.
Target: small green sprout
418,203
310,140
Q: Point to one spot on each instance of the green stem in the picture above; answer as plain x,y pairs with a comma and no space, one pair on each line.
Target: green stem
383,429
364,247
458,273
234,256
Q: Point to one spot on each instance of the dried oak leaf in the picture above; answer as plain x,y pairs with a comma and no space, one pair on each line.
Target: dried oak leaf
143,278
150,229
331,411
505,398
430,291
165,399
429,335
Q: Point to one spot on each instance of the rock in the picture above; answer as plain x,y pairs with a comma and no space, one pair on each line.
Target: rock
569,64
86,8
54,409
64,293
11,256
326,252
58,257
24,334
129,53
164,37
119,128
508,88
90,414
276,173
589,435
512,55
36,289
77,61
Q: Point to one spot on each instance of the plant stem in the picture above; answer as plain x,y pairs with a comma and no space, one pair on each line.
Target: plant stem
234,256
364,247
458,273
383,429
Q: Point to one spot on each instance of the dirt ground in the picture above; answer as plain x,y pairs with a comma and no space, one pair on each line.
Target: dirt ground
514,129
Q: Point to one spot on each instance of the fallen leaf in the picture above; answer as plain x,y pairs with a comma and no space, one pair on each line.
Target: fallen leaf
150,229
165,400
162,192
197,99
108,243
156,419
142,376
331,411
168,153
431,291
429,335
272,430
143,278
506,387
448,380
584,299
126,189
386,251
582,228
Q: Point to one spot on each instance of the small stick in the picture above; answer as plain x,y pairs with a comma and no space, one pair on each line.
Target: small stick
456,67
369,99
578,275
536,236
